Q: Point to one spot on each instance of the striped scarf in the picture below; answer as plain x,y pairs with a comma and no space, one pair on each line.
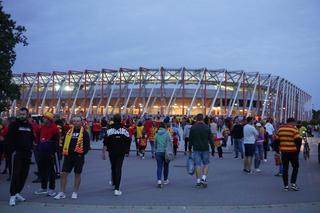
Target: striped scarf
79,145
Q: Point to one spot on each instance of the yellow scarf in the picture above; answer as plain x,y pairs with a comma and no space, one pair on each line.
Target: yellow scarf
79,145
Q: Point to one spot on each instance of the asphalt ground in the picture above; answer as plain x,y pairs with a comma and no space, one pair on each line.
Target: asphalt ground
229,188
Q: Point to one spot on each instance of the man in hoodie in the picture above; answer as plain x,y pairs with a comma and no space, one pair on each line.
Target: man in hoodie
21,138
200,138
117,143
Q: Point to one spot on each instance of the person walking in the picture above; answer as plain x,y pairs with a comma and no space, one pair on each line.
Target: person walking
249,138
162,142
200,138
48,146
186,133
76,145
289,140
270,132
259,147
117,143
237,134
21,138
96,129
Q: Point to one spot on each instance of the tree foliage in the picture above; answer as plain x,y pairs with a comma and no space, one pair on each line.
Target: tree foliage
10,35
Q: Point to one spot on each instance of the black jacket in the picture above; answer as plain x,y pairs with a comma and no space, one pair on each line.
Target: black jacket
237,131
20,136
117,140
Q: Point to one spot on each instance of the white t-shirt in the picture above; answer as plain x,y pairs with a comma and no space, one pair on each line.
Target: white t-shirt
269,128
249,134
213,127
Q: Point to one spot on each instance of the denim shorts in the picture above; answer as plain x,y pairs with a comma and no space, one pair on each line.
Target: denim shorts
201,158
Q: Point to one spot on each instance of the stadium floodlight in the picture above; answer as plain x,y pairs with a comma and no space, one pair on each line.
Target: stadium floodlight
57,87
68,88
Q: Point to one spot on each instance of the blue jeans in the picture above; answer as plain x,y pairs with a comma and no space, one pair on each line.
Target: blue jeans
201,158
162,163
258,157
238,146
152,147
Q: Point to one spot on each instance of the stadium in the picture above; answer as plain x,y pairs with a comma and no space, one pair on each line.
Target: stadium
162,91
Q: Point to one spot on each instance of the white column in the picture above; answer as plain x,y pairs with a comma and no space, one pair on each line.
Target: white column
57,110
236,94
93,95
147,103
276,100
265,99
216,95
31,91
173,92
45,94
76,97
111,92
282,100
195,93
253,94
130,92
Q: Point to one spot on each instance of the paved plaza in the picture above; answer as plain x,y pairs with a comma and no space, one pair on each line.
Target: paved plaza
229,189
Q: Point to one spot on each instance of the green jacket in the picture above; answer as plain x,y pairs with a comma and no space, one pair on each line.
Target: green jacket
200,137
162,140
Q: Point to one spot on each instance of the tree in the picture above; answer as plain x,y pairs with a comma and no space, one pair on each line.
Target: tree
10,35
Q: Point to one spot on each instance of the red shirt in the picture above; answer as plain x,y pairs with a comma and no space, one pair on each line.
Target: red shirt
148,126
49,132
96,127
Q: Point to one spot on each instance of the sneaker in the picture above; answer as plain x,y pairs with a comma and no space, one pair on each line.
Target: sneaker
204,183
51,193
41,192
74,195
236,157
265,160
166,182
258,170
36,180
117,192
159,184
60,195
286,188
246,171
198,185
278,174
20,198
294,187
12,201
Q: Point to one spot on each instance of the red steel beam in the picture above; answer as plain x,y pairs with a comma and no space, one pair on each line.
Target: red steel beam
183,90
38,93
101,94
85,92
205,91
225,93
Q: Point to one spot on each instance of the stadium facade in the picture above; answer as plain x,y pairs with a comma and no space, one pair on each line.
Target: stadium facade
162,91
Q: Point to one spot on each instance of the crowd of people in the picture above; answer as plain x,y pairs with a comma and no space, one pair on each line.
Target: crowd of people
51,139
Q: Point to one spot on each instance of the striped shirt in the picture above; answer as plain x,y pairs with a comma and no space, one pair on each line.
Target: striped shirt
287,134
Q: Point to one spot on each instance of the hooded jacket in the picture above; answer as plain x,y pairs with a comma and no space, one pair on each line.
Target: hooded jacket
162,140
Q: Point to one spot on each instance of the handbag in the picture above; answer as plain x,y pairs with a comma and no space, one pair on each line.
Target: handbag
190,165
168,155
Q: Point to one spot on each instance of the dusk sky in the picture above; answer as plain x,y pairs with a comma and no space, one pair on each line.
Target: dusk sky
281,37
